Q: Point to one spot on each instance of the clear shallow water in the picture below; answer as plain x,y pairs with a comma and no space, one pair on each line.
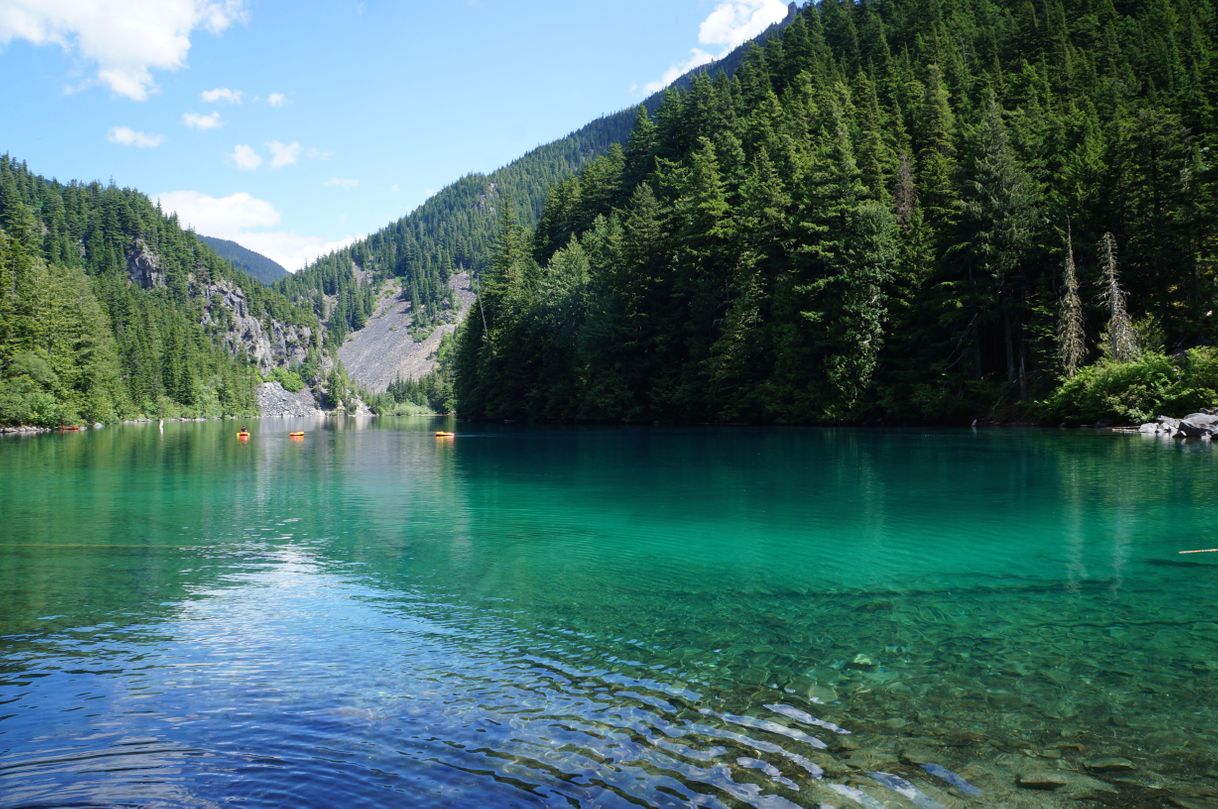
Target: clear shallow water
606,617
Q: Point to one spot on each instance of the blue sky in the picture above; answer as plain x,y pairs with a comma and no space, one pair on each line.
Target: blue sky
295,127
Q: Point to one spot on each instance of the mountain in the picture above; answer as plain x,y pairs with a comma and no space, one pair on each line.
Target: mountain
452,233
899,211
109,309
258,266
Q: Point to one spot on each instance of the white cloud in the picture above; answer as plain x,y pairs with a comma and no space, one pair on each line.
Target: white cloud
219,216
733,23
283,154
341,182
729,25
242,217
221,94
196,121
292,250
126,136
126,39
276,99
318,154
244,157
395,188
697,58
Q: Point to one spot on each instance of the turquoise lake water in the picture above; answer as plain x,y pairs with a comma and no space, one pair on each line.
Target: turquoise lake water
606,617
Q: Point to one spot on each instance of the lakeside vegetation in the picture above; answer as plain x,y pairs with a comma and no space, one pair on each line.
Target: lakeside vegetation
870,220
103,301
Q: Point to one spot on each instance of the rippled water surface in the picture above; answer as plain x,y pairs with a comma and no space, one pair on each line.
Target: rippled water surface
606,617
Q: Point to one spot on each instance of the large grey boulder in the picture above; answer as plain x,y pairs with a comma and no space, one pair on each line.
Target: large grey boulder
1198,425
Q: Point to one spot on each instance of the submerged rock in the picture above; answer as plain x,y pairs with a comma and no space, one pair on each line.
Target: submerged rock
1199,801
861,661
1041,779
918,755
1109,764
956,780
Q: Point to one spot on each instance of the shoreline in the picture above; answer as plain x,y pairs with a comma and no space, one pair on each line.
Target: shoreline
31,429
1167,426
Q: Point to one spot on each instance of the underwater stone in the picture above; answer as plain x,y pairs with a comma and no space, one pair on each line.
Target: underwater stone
845,744
1192,802
954,779
1040,779
1109,764
861,661
867,760
1074,747
821,694
917,755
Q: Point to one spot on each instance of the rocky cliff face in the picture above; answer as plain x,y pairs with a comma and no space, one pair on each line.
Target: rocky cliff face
384,349
226,313
267,342
143,268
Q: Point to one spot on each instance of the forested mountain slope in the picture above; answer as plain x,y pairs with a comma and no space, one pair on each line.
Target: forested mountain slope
258,266
109,309
893,210
454,230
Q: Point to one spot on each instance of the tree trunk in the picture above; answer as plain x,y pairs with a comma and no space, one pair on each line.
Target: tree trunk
1006,329
1023,366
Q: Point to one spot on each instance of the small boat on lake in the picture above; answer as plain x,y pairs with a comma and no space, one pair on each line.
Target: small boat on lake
443,434
296,436
243,435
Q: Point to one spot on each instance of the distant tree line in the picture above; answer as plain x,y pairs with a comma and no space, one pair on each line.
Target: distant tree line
453,231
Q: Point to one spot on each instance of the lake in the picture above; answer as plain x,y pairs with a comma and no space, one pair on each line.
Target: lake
606,617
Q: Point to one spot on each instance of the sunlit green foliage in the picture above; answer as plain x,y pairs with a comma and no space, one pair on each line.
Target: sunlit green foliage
868,221
1139,390
102,309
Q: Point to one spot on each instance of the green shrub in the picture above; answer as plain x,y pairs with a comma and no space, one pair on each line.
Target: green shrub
1137,391
289,379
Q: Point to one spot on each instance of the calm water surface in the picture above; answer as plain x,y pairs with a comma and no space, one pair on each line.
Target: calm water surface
606,617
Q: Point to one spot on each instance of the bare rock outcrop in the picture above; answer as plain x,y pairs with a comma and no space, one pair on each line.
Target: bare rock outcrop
268,343
143,266
384,349
275,401
226,313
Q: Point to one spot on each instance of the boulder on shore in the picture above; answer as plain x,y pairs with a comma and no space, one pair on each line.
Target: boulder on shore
1203,424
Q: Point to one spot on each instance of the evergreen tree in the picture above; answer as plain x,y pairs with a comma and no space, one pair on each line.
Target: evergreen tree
1121,343
1000,220
853,226
1071,340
